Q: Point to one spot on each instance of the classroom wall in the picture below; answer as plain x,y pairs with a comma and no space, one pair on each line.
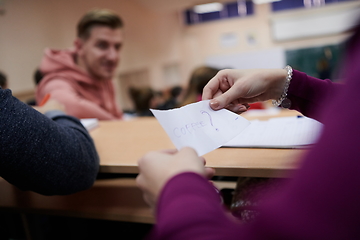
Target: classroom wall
253,34
30,26
154,40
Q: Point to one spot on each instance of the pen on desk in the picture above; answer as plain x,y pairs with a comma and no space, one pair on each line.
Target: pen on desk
44,100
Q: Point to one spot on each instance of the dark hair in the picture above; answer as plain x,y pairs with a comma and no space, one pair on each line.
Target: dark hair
38,76
3,80
97,17
199,78
175,91
141,97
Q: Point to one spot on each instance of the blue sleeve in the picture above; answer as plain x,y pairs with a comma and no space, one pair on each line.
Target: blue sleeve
50,156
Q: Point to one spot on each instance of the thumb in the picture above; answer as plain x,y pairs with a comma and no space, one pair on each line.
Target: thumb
226,98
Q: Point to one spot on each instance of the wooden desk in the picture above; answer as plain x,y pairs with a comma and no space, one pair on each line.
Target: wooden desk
121,143
110,199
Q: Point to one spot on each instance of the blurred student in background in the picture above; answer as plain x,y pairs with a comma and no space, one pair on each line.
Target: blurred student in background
3,81
198,79
142,98
175,95
37,76
81,78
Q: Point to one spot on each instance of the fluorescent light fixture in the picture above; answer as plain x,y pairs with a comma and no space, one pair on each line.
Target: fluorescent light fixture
264,1
208,7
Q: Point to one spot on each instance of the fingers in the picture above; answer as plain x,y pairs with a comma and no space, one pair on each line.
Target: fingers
211,89
169,151
149,200
203,160
218,93
140,181
148,196
187,151
218,89
209,172
238,108
227,98
246,105
156,155
233,88
156,168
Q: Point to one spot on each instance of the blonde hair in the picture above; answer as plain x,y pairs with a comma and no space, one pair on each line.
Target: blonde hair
97,17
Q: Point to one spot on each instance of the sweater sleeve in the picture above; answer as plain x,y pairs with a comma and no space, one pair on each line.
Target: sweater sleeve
190,208
320,200
49,156
308,95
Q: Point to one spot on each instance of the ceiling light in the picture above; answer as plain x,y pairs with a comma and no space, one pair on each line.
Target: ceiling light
209,7
264,1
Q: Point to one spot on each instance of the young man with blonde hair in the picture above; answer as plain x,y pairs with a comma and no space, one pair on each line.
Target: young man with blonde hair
81,78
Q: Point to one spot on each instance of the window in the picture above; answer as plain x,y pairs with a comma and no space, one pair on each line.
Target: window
241,8
293,4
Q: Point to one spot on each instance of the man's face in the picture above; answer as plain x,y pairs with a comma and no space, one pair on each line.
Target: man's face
99,55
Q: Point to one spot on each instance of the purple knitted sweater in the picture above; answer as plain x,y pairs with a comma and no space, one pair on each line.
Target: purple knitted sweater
320,201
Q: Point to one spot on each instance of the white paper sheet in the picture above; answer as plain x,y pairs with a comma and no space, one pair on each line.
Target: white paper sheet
198,126
286,132
89,123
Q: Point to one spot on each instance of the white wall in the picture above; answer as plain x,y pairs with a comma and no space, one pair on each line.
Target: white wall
30,26
250,35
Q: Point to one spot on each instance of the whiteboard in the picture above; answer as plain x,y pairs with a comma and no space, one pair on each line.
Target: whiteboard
314,25
269,58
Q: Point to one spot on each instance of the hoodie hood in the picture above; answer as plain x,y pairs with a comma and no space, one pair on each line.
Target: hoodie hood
63,61
58,66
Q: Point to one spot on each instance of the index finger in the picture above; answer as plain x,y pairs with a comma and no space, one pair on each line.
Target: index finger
211,88
169,151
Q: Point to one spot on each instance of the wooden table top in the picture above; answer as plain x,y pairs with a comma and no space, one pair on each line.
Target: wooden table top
121,143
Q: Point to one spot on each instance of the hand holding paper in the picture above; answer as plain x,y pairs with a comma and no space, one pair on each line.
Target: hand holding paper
198,126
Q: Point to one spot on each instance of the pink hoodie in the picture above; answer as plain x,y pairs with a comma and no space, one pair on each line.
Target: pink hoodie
82,96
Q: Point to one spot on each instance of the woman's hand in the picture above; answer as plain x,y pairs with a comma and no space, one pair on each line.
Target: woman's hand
156,168
234,89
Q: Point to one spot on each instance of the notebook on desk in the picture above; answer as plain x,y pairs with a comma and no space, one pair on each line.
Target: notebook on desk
284,132
89,123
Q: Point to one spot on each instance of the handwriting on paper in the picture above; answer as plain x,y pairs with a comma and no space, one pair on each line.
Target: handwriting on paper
188,128
191,128
204,112
198,126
